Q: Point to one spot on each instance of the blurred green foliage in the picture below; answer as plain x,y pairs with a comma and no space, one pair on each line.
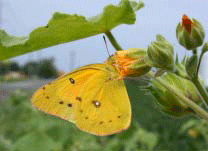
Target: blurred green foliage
24,128
8,66
42,68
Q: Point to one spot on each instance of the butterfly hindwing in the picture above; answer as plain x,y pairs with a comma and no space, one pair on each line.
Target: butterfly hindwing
104,106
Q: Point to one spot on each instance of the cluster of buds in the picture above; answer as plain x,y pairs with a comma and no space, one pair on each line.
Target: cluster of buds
176,88
168,101
190,34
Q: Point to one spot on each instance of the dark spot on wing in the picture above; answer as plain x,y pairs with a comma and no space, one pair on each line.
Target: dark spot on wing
101,122
110,121
119,116
86,118
69,105
61,102
47,97
72,81
78,98
96,103
81,111
44,88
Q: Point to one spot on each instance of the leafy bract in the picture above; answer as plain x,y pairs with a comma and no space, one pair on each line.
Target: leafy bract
63,28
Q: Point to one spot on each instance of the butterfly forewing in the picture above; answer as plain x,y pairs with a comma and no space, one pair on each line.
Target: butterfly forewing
59,97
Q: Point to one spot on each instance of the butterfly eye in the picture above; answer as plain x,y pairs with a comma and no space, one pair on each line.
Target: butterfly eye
96,103
72,81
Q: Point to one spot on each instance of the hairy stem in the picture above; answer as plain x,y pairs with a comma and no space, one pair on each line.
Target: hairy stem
113,40
199,63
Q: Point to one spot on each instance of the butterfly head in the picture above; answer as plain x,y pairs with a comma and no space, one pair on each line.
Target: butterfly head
111,60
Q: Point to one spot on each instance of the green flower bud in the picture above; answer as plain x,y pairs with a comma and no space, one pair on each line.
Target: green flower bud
132,62
190,33
160,53
168,101
205,47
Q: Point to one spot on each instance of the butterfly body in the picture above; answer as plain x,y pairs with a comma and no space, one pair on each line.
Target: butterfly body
91,96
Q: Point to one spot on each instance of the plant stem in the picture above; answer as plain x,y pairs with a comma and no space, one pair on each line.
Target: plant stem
201,89
197,83
199,63
202,113
194,51
113,40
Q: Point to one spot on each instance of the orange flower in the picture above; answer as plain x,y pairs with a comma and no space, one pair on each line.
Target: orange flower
132,62
187,23
123,62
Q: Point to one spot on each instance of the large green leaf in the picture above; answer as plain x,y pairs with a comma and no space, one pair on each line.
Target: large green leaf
65,28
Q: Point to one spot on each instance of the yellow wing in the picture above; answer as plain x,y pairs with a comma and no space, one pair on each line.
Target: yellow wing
59,97
104,106
91,96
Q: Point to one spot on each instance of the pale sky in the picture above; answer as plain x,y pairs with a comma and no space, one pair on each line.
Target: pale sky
20,17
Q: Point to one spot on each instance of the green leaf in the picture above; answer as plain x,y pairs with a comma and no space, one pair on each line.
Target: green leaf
64,28
8,40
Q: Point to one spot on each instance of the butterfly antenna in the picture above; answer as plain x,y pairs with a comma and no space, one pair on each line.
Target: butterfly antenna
106,45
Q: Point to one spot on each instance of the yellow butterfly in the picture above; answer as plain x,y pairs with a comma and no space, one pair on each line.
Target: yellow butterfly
94,97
